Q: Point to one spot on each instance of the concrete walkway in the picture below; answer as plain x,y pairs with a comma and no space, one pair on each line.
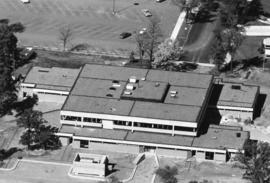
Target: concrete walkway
178,25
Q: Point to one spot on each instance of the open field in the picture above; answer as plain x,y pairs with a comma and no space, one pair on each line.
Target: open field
91,21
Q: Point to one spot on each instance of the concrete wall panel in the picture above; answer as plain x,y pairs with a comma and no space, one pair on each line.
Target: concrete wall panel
172,153
115,147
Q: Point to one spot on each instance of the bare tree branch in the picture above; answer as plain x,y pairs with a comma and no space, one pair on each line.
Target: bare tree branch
65,35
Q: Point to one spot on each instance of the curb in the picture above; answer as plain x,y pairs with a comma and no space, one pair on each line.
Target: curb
45,162
12,168
131,176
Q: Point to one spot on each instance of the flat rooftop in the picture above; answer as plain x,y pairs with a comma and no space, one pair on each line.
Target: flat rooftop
54,78
237,95
215,138
152,93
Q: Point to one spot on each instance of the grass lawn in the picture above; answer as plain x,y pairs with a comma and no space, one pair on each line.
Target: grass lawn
266,5
203,170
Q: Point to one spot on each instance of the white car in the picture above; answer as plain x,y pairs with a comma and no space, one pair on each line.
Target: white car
146,12
25,1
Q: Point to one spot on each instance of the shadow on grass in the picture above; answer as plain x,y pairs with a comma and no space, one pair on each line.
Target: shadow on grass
205,16
255,61
4,154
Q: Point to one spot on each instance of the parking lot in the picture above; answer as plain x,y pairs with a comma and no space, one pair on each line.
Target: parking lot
91,21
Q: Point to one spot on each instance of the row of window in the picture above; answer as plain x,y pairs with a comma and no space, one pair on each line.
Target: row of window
76,118
208,155
150,125
92,120
49,93
128,123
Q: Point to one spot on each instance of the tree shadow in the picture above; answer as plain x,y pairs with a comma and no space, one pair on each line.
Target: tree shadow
4,154
205,16
230,66
252,12
255,61
27,103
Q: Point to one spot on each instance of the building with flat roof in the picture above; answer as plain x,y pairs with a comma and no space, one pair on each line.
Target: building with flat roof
236,99
138,100
142,110
50,84
137,110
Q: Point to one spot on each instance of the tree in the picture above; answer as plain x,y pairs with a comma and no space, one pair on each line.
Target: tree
168,50
65,35
152,38
31,120
37,133
256,161
167,174
27,103
46,137
8,56
231,40
227,42
140,41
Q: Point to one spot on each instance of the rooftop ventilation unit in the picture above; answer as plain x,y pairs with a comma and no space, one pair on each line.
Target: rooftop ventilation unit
236,87
143,79
132,79
157,84
112,109
173,95
116,85
130,87
238,135
173,92
127,93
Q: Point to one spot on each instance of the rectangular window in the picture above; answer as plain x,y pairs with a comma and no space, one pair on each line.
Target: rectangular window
91,120
71,118
84,143
180,128
209,155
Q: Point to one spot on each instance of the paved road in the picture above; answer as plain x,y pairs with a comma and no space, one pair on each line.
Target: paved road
91,20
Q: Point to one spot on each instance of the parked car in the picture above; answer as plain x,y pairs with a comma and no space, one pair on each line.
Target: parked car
159,1
26,53
146,12
124,35
25,1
